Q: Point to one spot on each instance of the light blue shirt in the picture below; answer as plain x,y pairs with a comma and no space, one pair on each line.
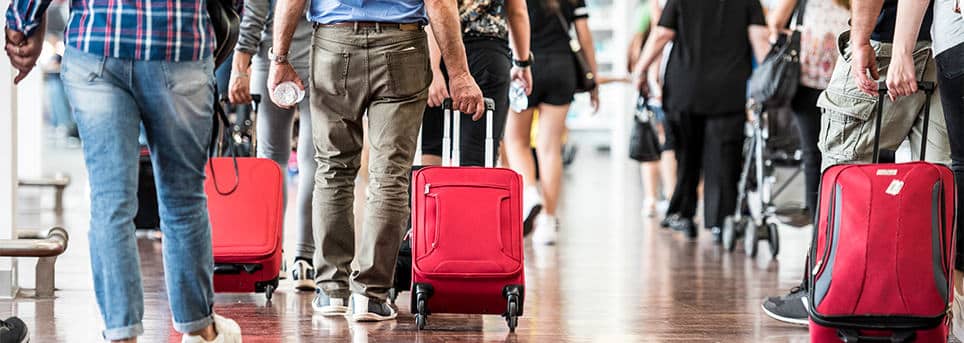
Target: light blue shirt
385,11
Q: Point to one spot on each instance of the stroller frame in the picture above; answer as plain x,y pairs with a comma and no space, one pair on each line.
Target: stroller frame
755,216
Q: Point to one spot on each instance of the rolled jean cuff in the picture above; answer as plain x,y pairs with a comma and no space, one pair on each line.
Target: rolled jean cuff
194,326
126,332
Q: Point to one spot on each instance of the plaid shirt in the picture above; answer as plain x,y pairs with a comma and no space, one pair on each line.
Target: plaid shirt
169,30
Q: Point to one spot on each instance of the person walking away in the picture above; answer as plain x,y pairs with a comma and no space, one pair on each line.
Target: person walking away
250,75
948,35
367,57
658,178
167,83
704,95
818,52
553,87
822,22
486,30
848,103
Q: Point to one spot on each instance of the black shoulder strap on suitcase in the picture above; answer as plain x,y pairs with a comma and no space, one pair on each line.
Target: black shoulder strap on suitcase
221,135
928,88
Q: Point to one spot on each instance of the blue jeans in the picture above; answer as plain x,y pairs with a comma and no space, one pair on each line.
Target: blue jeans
174,101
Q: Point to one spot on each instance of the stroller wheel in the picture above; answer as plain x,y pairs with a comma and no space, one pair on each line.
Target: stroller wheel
751,238
774,240
729,234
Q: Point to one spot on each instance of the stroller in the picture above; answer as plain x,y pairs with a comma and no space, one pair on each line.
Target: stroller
771,142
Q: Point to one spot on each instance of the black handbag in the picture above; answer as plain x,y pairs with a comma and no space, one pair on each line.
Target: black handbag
775,81
643,141
226,24
585,78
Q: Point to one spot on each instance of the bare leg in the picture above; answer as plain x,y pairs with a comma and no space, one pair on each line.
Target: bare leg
503,160
667,166
517,146
552,125
649,171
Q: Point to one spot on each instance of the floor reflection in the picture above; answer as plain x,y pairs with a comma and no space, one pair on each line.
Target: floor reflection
614,276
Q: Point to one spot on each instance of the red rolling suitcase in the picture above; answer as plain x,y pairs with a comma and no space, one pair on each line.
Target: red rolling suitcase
467,244
245,208
881,264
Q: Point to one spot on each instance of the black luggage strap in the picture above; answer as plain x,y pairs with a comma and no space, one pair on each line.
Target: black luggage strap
220,134
928,88
853,336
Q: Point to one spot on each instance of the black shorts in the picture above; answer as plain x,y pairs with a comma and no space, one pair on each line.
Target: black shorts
553,79
489,63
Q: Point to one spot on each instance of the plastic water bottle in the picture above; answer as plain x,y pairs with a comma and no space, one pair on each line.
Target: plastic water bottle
288,94
518,100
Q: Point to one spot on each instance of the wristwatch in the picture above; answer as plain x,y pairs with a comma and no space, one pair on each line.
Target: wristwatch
277,59
524,63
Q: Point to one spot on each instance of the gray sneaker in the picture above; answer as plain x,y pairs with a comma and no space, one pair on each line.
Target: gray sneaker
790,308
365,309
327,306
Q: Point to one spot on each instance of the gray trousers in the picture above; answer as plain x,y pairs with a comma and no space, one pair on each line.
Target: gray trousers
384,72
274,142
849,115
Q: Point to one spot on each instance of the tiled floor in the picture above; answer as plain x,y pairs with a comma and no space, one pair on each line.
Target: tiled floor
613,277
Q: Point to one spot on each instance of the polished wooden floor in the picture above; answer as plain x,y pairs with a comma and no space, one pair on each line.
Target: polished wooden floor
613,277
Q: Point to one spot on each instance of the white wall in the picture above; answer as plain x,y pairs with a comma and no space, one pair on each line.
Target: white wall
8,168
30,134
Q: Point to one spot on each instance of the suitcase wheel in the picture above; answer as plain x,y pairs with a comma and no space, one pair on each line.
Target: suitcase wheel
513,296
420,297
421,318
268,287
512,313
268,292
774,240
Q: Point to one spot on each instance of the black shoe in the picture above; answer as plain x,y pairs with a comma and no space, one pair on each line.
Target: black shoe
717,234
13,330
685,225
790,308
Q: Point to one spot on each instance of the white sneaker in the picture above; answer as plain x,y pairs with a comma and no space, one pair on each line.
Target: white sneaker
228,332
546,230
957,314
531,206
329,307
303,274
365,309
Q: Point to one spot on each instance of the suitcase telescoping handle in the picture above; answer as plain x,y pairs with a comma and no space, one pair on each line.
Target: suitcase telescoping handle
928,88
450,146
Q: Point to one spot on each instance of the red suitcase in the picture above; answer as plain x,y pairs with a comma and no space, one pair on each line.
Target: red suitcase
881,265
246,213
467,244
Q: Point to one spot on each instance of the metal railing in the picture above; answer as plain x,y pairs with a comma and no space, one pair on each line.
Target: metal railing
46,248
